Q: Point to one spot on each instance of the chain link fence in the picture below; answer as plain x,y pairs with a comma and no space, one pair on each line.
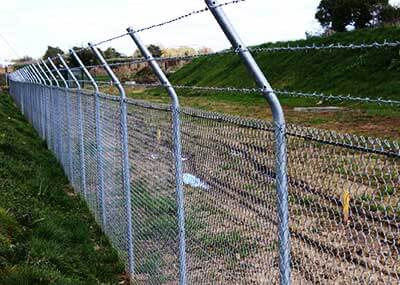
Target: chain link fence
343,191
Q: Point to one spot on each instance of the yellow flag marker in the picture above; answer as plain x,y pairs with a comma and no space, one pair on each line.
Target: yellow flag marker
159,136
346,206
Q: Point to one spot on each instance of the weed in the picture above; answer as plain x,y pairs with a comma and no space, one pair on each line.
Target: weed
387,191
229,245
150,264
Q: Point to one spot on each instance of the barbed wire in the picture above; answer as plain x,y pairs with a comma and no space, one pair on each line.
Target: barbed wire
322,96
139,60
313,47
314,95
333,46
192,13
195,12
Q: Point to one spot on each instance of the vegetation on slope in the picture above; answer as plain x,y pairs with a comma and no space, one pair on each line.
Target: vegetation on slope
372,73
368,73
47,234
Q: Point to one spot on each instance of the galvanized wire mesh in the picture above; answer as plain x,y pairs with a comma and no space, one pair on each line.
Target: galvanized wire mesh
155,223
114,196
343,191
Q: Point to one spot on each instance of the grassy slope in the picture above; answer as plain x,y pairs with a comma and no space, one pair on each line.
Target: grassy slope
366,73
47,235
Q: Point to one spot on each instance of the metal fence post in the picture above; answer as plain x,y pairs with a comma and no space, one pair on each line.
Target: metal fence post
56,112
32,80
47,107
30,96
68,115
280,132
21,94
99,145
125,154
81,133
44,103
177,150
42,109
59,126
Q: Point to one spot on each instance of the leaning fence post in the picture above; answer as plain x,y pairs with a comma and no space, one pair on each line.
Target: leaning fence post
98,139
33,75
21,72
280,132
55,120
44,99
41,82
125,154
177,150
66,86
22,95
30,98
31,89
81,138
28,75
47,111
68,115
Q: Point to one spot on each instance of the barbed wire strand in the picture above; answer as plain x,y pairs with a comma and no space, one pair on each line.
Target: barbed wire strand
132,61
315,95
138,60
193,13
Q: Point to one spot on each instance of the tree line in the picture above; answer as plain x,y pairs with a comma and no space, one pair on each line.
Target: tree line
339,15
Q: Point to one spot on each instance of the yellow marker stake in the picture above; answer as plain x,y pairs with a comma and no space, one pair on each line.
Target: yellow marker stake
159,136
346,206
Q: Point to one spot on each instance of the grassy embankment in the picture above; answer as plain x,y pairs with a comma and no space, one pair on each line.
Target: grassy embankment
47,234
367,73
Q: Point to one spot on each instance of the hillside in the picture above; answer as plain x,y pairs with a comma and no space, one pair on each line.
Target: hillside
367,73
47,234
370,73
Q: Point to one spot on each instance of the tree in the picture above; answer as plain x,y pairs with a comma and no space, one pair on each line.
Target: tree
112,53
366,13
52,52
390,15
154,50
86,55
334,14
338,14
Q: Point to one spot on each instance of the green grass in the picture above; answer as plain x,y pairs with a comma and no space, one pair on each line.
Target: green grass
47,235
228,245
368,73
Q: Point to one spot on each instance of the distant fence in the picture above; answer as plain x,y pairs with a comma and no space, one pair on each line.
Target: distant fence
188,196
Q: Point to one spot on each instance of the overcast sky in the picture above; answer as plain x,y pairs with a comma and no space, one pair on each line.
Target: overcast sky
27,27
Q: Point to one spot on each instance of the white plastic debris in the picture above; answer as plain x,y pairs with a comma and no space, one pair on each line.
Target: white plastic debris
154,156
194,181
